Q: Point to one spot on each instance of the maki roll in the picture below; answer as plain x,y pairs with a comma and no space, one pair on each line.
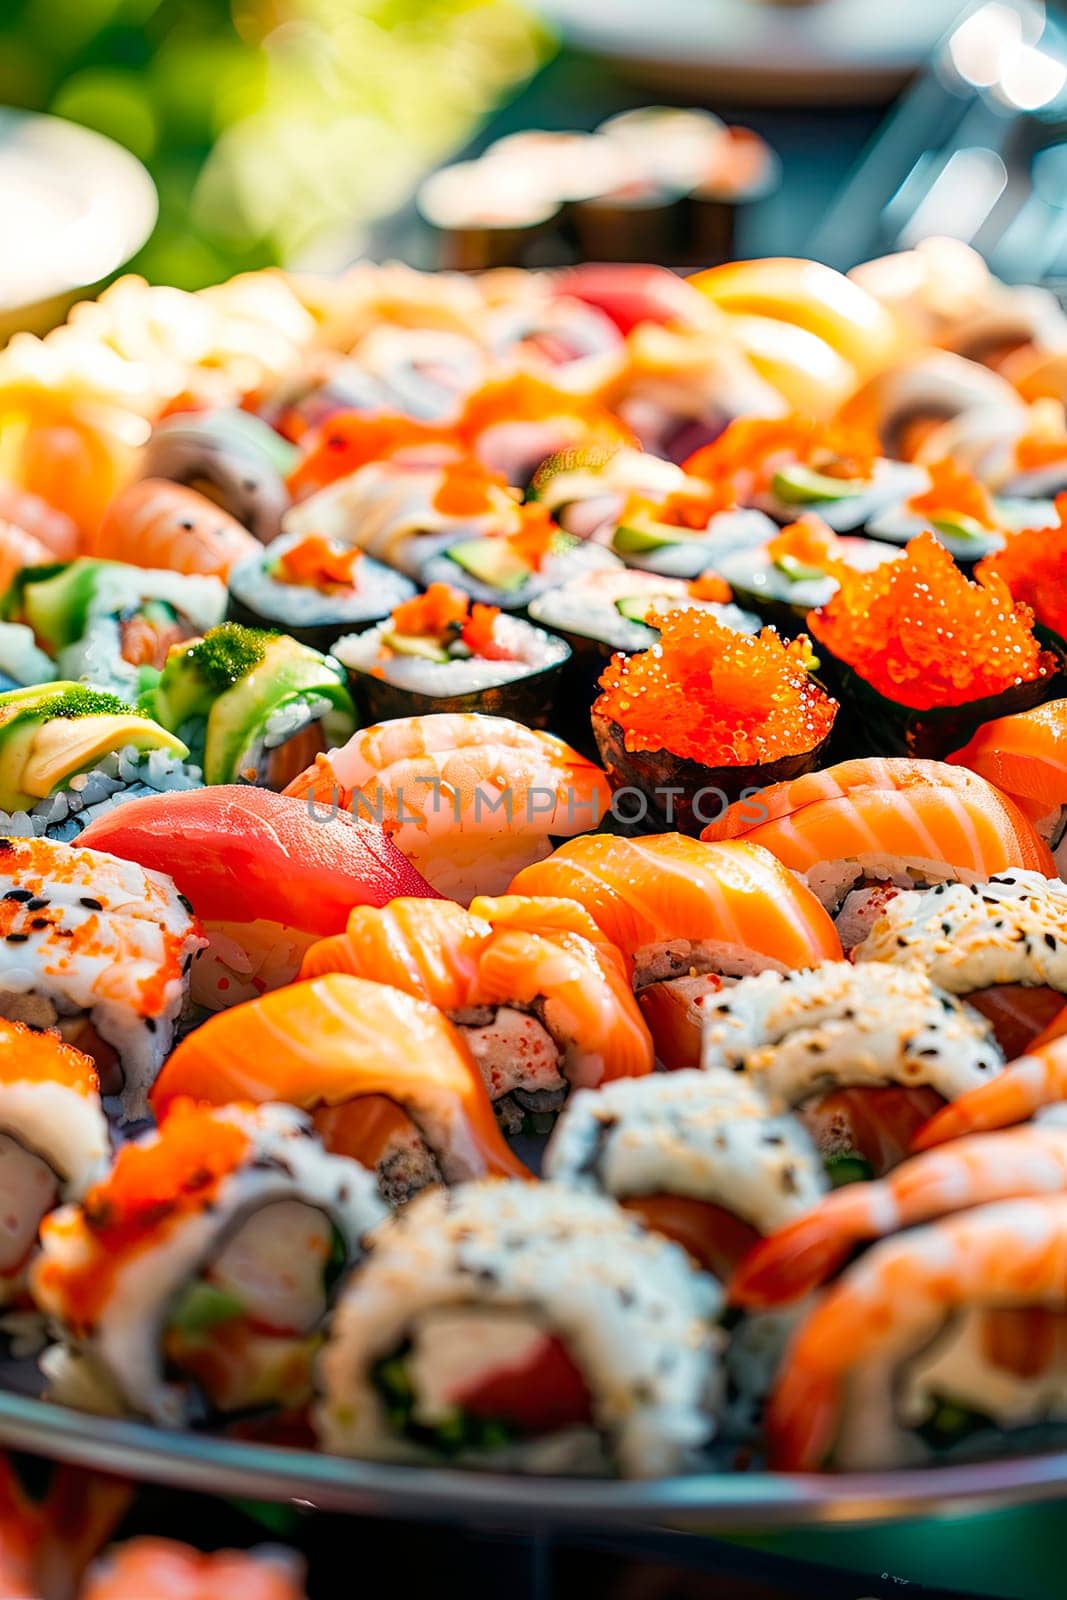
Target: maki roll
267,878
690,919
314,589
858,831
468,798
522,1326
955,507
932,1346
231,457
1031,567
1001,944
541,998
865,1054
922,656
793,571
509,570
389,1081
707,715
68,754
253,705
109,624
1019,454
54,1142
787,465
685,533
702,1157
195,1276
441,652
99,949
410,507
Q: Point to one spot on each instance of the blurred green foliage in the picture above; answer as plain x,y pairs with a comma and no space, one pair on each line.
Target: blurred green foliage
274,129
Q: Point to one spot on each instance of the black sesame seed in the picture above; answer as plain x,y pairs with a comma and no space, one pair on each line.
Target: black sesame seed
19,894
38,903
90,904
38,923
150,1024
17,938
1050,940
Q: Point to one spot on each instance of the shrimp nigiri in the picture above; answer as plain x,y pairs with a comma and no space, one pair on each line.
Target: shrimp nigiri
155,523
541,1004
332,1041
857,831
1025,1087
966,1173
1025,755
927,1338
690,917
469,799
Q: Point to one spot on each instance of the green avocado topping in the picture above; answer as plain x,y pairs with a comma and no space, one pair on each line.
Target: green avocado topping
225,654
847,1168
450,1435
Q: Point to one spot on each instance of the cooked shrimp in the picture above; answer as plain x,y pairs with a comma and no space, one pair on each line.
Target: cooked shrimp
974,1171
159,524
1035,1080
1010,1255
54,529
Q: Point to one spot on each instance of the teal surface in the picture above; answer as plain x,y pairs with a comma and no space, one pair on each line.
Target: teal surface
1009,1555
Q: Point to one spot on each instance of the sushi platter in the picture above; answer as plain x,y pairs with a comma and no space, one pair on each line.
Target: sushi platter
533,932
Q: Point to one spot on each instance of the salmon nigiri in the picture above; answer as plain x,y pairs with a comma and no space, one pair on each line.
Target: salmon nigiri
1025,755
690,917
335,1042
147,1567
860,830
542,999
155,523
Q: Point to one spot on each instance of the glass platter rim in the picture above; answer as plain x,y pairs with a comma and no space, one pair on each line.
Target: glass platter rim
709,1502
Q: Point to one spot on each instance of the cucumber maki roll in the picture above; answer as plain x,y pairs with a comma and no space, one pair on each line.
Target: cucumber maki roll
443,652
786,465
230,456
785,578
252,706
508,570
922,656
708,716
314,589
109,624
954,507
69,753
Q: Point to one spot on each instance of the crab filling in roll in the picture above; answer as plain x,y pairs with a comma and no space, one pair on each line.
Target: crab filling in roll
245,1329
468,1379
520,1062
28,1190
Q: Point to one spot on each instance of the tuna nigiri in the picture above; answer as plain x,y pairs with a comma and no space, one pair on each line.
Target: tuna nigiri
330,1042
155,523
690,917
542,999
858,831
469,799
265,877
1025,755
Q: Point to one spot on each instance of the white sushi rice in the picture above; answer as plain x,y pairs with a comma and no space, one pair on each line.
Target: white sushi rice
710,1136
531,649
120,1359
634,1316
557,568
588,606
127,774
838,1026
965,937
21,661
376,591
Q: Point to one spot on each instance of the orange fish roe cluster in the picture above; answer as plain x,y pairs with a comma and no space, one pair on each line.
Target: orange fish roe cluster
536,538
467,489
755,447
26,1055
923,635
319,563
953,493
446,613
1033,565
709,586
714,696
809,541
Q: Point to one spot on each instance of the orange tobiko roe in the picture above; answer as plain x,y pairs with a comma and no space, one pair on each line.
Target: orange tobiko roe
954,493
808,540
317,563
1032,564
433,614
923,635
708,694
468,489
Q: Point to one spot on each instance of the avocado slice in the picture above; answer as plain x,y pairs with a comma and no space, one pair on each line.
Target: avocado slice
53,732
55,601
801,486
581,462
413,644
492,562
639,535
636,607
797,571
286,672
961,527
